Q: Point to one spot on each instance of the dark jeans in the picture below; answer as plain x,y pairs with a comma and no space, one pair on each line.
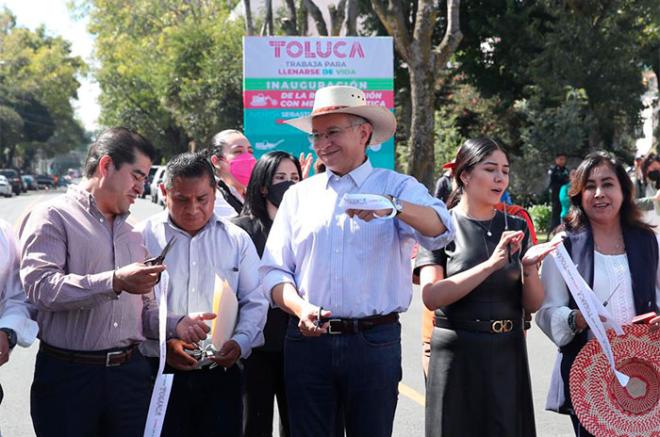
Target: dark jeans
264,381
354,373
555,217
70,399
205,403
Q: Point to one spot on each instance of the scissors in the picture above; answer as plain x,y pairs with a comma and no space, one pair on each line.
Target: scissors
157,260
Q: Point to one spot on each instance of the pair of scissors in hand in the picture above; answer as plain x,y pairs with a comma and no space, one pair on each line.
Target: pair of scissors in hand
158,260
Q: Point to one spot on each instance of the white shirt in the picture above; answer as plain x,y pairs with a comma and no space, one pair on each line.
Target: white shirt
222,208
351,267
610,272
219,248
14,310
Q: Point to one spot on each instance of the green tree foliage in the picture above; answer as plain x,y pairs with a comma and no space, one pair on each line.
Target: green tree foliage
38,80
551,75
171,70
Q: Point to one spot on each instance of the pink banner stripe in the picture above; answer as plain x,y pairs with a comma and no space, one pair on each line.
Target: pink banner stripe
303,99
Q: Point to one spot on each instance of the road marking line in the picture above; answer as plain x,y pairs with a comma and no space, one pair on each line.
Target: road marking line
412,394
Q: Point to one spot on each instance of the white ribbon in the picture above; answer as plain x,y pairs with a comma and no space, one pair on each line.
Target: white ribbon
161,394
592,310
370,202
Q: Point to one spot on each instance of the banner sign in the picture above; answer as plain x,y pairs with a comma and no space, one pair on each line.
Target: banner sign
281,76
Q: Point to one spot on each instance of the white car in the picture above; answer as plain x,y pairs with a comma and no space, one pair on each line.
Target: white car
5,186
160,197
154,188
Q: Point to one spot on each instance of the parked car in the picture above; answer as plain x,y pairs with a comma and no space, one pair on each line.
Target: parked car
149,179
14,179
160,197
5,187
28,182
45,181
154,189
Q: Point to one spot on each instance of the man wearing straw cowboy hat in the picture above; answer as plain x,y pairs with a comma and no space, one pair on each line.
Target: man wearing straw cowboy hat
338,259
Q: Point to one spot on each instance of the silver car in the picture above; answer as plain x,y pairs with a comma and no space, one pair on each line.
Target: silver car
5,187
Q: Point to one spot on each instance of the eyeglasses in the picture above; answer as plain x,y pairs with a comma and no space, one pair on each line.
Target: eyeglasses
331,134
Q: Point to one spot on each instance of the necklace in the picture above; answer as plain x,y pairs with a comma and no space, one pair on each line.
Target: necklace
481,225
616,249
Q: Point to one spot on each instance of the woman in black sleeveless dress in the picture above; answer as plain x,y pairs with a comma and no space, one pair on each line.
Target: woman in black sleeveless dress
478,286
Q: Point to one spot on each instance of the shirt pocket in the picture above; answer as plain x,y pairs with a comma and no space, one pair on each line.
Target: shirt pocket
371,237
229,274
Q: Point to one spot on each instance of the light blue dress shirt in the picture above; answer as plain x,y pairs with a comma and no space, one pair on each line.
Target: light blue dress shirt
219,248
351,267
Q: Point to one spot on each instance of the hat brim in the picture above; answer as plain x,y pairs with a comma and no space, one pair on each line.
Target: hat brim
382,120
602,405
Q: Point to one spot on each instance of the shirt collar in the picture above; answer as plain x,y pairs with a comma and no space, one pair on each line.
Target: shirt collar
164,218
87,200
358,175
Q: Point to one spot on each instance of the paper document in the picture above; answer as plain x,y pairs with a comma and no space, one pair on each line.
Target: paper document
225,306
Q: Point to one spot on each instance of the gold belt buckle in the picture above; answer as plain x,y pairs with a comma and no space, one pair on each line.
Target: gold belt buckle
501,326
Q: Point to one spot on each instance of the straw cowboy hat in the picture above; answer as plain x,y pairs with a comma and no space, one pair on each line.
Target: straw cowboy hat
348,100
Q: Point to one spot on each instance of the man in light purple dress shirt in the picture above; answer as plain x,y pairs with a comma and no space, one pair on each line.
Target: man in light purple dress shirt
82,269
347,272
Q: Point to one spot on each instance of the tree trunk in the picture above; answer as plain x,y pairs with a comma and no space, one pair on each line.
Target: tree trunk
337,14
303,16
351,17
267,29
426,65
317,15
249,24
289,23
422,136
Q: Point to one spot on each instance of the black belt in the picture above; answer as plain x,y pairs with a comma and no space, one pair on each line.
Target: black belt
353,326
108,359
487,326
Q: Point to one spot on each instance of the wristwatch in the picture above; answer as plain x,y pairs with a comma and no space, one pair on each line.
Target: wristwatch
12,339
396,203
572,321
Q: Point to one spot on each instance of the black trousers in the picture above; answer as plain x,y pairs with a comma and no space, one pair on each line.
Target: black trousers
205,403
555,217
70,400
579,430
264,382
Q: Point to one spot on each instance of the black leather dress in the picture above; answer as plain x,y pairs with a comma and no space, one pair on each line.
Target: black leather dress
478,382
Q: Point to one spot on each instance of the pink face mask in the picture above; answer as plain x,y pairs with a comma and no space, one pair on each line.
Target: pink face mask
241,167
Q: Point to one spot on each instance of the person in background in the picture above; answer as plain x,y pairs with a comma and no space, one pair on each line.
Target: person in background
564,198
208,400
16,325
443,185
274,173
478,286
231,155
558,176
82,268
612,248
647,188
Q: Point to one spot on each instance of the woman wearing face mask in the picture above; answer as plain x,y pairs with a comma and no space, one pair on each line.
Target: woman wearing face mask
273,174
231,156
648,189
478,286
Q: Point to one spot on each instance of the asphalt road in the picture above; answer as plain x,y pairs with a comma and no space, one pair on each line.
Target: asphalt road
16,375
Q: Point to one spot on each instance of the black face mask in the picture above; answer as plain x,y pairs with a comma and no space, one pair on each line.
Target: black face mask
276,192
655,176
